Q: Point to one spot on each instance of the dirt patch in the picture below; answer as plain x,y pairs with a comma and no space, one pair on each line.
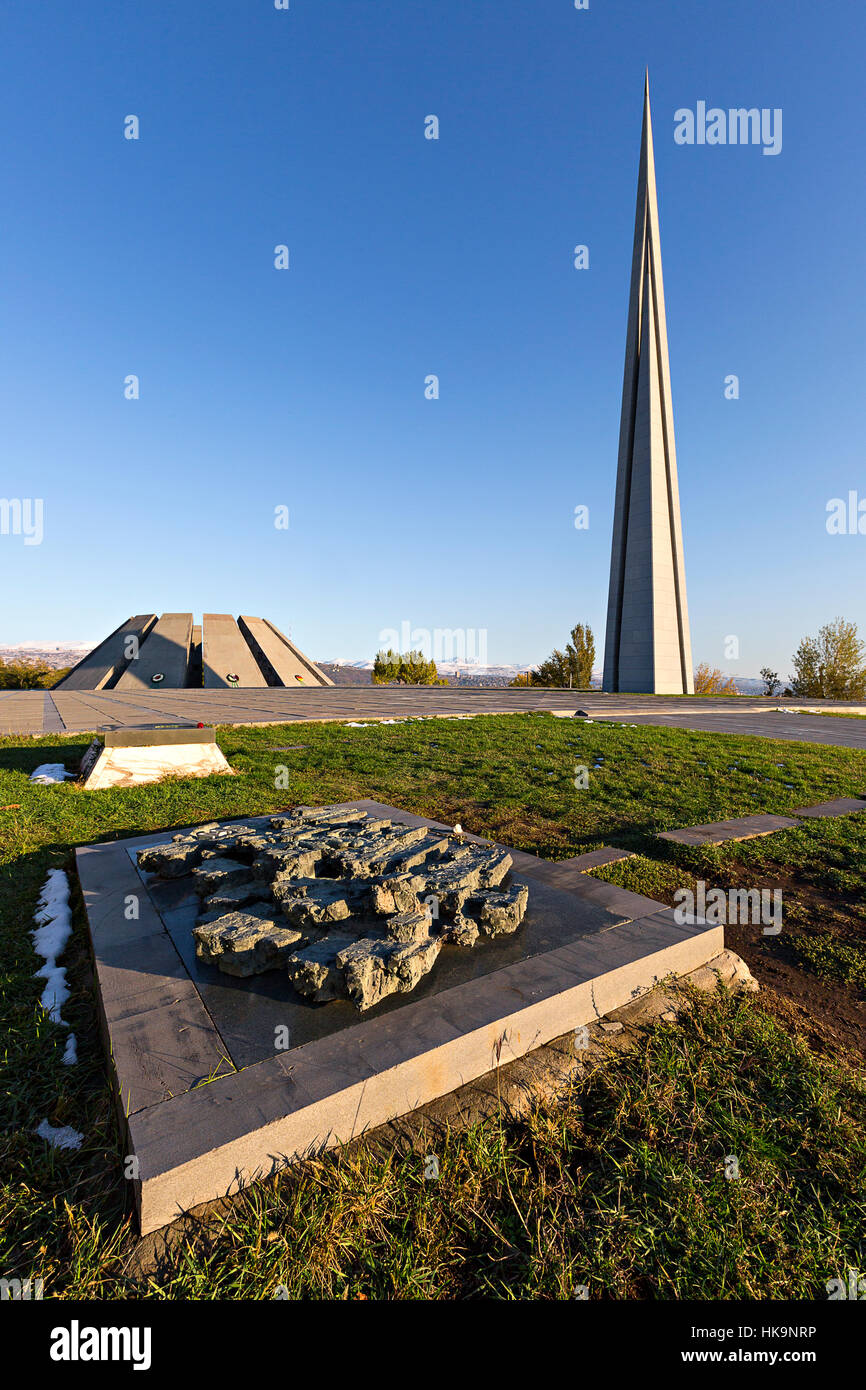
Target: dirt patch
831,1013
507,825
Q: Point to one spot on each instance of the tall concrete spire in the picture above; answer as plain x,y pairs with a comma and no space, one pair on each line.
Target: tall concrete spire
648,647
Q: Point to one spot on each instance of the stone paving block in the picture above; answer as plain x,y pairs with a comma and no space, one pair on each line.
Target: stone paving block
842,806
596,858
162,1052
740,828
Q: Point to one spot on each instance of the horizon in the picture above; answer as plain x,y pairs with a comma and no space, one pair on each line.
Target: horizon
357,663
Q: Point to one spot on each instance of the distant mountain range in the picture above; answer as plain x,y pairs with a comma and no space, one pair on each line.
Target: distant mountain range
60,654
54,654
468,673
456,672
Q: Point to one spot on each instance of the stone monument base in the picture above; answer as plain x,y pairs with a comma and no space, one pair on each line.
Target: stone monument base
221,1081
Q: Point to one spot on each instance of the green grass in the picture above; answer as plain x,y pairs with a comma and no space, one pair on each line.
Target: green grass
829,855
494,772
821,866
836,713
831,959
621,1189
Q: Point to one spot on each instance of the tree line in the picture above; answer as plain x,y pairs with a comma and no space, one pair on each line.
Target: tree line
829,666
30,675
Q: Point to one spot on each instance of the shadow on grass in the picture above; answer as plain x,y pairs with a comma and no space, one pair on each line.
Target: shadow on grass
30,755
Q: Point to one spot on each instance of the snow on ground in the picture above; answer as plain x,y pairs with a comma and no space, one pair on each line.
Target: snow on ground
46,774
61,1137
54,927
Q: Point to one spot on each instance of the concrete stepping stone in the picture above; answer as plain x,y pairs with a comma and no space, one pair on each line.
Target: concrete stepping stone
740,828
596,858
842,806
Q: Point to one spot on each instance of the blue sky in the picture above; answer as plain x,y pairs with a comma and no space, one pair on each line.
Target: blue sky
304,388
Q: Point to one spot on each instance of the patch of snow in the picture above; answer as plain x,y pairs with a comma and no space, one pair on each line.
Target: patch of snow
54,928
46,774
61,1137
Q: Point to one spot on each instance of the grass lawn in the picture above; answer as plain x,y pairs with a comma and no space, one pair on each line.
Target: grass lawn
622,1187
836,713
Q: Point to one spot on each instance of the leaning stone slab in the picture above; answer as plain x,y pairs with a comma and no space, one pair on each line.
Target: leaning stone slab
245,943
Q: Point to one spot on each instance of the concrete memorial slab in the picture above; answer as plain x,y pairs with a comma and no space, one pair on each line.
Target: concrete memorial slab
221,1079
105,663
283,662
226,658
132,757
163,658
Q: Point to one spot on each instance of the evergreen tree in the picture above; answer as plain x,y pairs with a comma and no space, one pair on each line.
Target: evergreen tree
386,667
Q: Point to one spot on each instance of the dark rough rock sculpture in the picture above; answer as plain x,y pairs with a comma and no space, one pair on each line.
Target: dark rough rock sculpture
350,905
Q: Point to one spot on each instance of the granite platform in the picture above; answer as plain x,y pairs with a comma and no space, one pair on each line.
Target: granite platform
209,1102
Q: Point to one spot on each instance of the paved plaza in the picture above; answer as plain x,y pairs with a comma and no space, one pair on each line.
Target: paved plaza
36,712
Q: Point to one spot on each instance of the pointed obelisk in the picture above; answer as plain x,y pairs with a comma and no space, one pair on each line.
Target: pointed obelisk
647,647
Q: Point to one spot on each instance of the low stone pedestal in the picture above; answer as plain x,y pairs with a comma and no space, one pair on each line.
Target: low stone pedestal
221,1081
